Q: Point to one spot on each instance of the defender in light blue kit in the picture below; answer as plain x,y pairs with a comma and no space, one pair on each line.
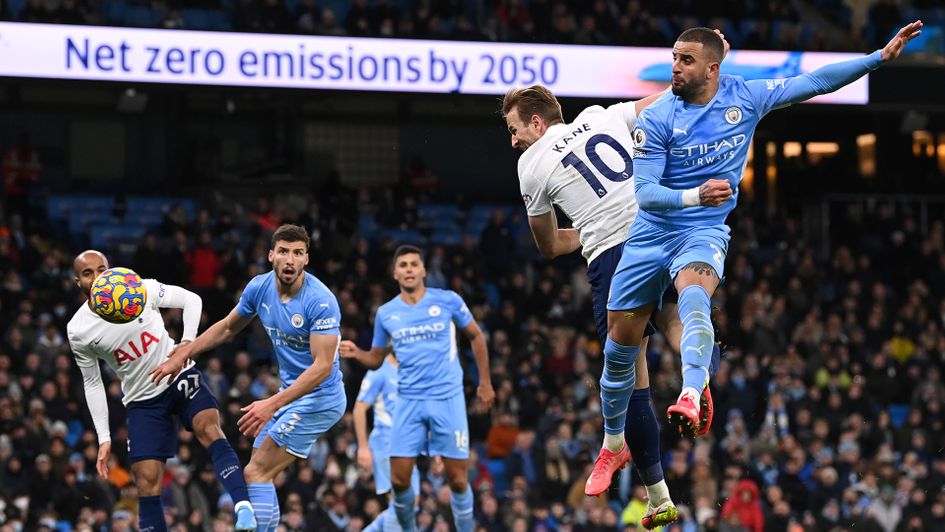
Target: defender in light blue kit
690,152
420,324
303,321
379,392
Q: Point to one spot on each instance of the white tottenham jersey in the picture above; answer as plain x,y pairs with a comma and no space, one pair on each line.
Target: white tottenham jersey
586,169
132,349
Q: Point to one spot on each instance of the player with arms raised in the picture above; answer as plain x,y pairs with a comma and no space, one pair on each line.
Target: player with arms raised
132,350
303,321
691,148
430,416
562,165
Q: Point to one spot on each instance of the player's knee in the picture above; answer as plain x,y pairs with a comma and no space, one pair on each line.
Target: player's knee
253,472
148,483
399,482
458,484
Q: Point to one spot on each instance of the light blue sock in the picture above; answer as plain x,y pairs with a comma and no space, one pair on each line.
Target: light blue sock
403,508
262,495
616,384
698,336
276,515
462,506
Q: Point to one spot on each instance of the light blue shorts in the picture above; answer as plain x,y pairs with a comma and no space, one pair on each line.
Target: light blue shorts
437,427
653,255
381,451
296,426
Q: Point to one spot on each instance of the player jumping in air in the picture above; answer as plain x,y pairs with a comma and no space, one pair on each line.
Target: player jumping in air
132,350
420,323
690,151
303,321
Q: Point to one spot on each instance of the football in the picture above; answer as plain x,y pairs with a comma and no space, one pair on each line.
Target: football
118,295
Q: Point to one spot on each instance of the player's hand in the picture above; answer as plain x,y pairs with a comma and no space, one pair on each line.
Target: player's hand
725,45
365,459
169,368
256,416
348,349
714,192
486,396
101,464
908,32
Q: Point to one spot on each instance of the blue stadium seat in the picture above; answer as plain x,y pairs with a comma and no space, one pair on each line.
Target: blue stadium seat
436,212
446,238
497,468
142,17
898,414
15,6
401,236
107,236
368,225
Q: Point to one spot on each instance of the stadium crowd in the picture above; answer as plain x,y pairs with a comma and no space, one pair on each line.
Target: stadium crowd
848,25
828,403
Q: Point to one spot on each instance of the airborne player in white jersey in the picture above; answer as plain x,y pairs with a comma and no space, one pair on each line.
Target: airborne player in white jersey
585,169
132,350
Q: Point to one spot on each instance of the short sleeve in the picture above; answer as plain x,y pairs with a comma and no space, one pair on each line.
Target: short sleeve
381,337
460,312
325,316
371,387
626,112
534,193
249,299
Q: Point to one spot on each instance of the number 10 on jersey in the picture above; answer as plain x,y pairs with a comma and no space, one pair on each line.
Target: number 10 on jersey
590,151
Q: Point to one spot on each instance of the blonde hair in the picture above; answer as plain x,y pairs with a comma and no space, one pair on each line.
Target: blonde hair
534,100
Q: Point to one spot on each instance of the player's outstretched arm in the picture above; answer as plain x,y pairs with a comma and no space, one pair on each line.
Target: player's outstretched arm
771,94
219,333
359,413
370,359
485,393
258,413
551,241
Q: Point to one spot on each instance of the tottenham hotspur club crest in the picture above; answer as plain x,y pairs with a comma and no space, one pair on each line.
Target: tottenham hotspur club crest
733,115
297,320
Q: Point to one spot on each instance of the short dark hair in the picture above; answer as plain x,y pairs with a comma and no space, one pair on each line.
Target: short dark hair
534,100
290,233
711,42
407,249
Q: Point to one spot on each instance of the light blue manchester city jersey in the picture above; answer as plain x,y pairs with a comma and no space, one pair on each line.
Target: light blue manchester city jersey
313,309
424,341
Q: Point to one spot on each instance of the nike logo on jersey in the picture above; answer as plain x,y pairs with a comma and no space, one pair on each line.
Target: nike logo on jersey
229,471
265,306
97,341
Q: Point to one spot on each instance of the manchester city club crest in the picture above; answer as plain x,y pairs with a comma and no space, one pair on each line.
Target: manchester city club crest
733,115
297,320
435,311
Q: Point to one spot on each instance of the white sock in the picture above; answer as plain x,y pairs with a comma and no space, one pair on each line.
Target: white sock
613,442
693,393
658,493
